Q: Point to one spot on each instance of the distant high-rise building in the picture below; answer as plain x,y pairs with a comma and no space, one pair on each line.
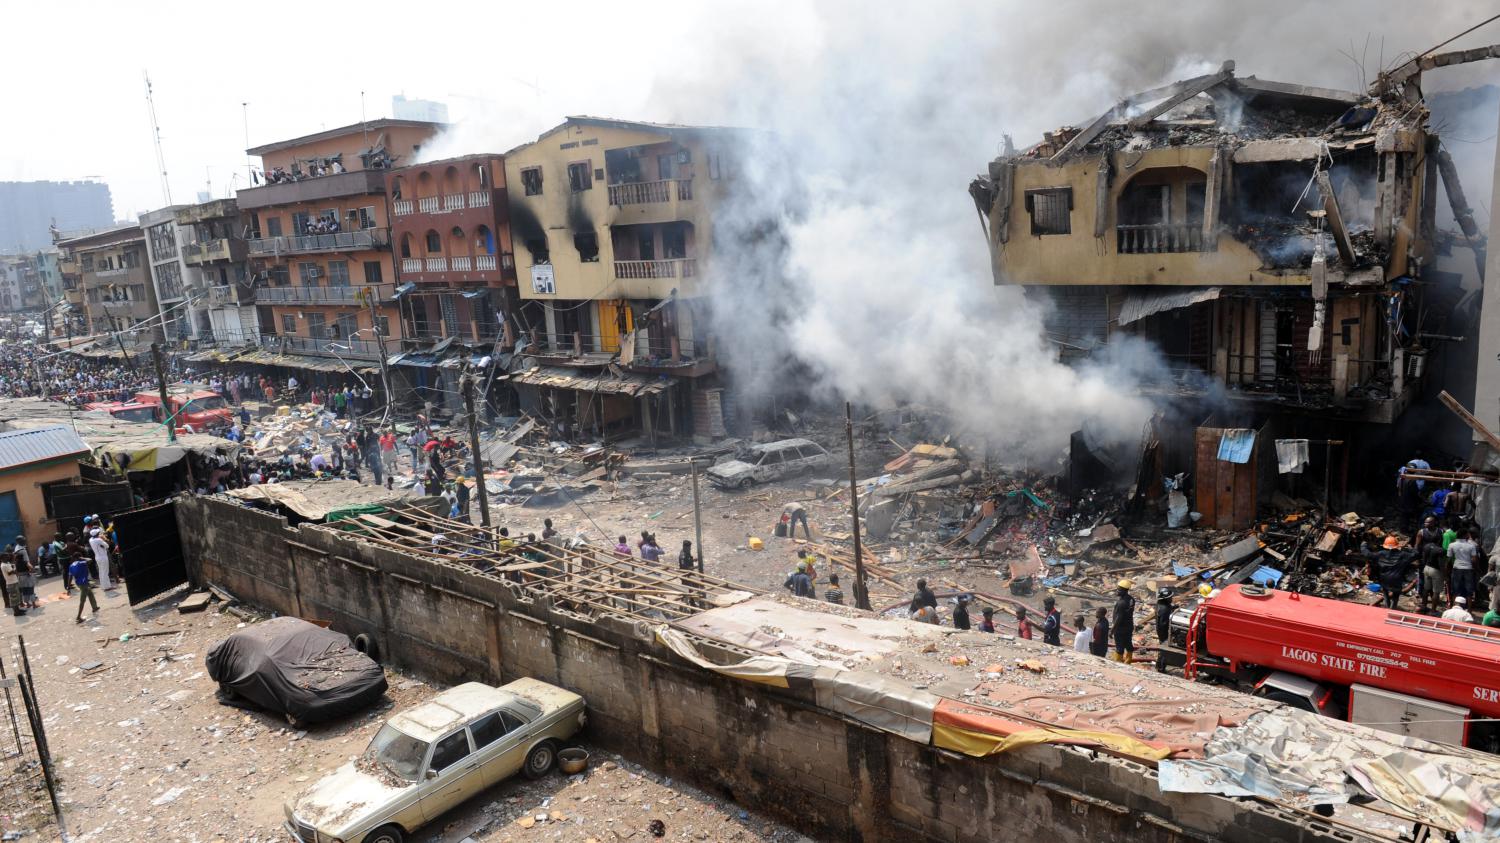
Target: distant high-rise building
426,110
29,209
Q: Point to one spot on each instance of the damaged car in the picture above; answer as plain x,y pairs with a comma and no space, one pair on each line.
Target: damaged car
430,758
767,462
296,669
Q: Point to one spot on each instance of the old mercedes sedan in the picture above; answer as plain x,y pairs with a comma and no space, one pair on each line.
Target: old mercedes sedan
432,757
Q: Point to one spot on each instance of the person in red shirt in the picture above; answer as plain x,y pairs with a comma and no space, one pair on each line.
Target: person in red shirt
1023,626
388,450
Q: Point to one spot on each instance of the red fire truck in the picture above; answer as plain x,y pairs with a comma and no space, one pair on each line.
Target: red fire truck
1398,671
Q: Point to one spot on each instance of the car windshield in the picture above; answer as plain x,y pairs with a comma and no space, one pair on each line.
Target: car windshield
399,753
198,405
136,414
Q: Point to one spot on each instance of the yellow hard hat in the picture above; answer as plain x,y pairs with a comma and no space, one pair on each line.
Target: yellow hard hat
1125,584
1205,589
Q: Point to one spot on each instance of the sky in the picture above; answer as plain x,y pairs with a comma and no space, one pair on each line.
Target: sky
519,68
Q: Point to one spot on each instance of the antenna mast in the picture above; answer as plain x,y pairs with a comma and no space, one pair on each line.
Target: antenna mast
161,161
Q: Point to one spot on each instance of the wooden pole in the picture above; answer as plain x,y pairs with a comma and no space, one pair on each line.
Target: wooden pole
484,498
861,590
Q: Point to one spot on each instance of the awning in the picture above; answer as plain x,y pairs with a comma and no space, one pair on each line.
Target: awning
1142,302
608,382
419,359
404,289
266,357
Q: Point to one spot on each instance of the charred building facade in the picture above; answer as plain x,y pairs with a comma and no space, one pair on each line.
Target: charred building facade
1269,239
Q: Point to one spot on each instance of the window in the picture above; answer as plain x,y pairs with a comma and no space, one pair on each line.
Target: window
1051,210
279,275
673,242
587,245
664,167
487,729
383,325
338,273
308,272
538,249
131,259
317,325
137,292
163,242
450,751
434,243
715,165
367,216
346,325
646,245
299,222
169,280
372,272
329,215
531,179
273,226
288,323
580,176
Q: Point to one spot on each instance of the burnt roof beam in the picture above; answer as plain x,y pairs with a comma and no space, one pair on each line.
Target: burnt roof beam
1094,129
1183,96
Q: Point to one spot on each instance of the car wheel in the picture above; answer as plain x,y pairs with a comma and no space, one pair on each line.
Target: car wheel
540,759
744,483
385,834
365,644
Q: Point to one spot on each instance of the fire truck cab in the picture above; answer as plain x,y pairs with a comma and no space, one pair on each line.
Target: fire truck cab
1397,671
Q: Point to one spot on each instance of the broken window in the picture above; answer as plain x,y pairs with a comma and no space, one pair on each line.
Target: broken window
538,249
673,242
1051,210
587,244
531,180
580,176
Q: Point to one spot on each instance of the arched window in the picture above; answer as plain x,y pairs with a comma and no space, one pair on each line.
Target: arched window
399,188
481,177
486,239
406,245
426,185
434,243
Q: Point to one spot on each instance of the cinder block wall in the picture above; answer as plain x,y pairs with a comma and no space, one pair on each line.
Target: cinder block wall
831,777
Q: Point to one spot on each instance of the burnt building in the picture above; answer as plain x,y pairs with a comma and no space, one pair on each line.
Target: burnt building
1270,240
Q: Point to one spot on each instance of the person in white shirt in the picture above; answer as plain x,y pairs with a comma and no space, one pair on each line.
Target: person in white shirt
1083,637
101,558
1458,612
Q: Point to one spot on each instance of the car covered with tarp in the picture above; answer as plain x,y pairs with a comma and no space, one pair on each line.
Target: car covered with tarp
295,668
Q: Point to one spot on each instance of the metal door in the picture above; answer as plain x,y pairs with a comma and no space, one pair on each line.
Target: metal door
150,551
10,517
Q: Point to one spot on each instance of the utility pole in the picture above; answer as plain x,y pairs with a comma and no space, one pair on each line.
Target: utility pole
385,378
697,515
161,385
484,499
861,591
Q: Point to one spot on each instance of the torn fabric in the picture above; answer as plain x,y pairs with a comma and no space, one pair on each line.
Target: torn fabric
1291,456
1141,302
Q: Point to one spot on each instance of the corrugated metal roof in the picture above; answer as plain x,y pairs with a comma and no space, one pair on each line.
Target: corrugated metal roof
20,447
616,384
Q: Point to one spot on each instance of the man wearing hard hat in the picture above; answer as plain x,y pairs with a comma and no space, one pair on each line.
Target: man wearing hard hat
1123,623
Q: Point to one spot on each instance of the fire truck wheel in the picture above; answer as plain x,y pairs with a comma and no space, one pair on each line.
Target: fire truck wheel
1287,698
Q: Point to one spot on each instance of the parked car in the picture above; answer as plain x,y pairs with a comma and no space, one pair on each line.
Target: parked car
425,760
295,668
763,463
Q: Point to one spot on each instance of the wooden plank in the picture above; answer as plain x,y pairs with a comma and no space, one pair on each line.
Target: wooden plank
1191,88
1205,457
1468,418
1335,219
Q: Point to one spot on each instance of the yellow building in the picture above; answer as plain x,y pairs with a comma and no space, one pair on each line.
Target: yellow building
612,225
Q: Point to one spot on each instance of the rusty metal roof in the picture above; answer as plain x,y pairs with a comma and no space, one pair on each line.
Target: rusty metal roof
610,383
22,447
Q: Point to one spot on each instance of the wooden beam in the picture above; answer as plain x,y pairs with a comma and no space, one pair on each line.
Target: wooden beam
1468,418
1335,219
1191,88
1094,129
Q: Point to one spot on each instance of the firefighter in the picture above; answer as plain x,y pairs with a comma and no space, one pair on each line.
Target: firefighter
1124,622
1163,614
1391,564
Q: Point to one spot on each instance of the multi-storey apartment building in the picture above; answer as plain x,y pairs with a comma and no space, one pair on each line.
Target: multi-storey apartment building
175,282
114,280
223,311
612,222
319,243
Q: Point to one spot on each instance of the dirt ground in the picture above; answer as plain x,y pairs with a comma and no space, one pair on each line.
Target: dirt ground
143,751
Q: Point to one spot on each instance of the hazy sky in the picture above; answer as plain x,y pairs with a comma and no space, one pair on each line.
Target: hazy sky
76,91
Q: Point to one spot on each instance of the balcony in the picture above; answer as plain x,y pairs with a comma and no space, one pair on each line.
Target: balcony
679,268
454,202
447,203
222,249
430,205
402,207
462,264
485,263
479,198
357,349
123,275
435,265
1159,238
313,189
217,209
343,241
306,294
649,192
411,264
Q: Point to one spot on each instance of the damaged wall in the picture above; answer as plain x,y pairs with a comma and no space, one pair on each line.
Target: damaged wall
772,749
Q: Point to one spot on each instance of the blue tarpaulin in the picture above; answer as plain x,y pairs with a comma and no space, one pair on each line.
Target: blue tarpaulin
1183,570
1236,444
1265,576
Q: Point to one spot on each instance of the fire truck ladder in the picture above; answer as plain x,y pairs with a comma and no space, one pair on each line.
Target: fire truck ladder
1463,630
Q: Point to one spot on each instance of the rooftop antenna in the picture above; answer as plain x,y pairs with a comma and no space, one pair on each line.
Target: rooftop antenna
363,127
161,161
249,166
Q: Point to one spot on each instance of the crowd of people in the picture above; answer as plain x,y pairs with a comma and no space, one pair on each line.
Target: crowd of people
30,368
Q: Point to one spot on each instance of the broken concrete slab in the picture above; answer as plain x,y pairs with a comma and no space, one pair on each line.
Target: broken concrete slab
1280,149
195,602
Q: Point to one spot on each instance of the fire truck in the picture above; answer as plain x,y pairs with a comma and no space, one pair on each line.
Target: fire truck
1397,671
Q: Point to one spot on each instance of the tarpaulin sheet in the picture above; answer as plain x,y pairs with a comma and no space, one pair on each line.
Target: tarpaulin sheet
1236,444
980,731
316,499
291,666
890,706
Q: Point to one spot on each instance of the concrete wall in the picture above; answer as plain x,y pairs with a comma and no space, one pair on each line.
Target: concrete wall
773,749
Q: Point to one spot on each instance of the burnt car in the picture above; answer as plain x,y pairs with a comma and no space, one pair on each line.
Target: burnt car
295,668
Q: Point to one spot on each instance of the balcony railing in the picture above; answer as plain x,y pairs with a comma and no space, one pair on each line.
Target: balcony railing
436,265
313,189
681,268
479,198
222,249
429,205
643,192
1151,239
461,264
484,263
411,264
370,238
454,202
323,346
402,207
305,294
